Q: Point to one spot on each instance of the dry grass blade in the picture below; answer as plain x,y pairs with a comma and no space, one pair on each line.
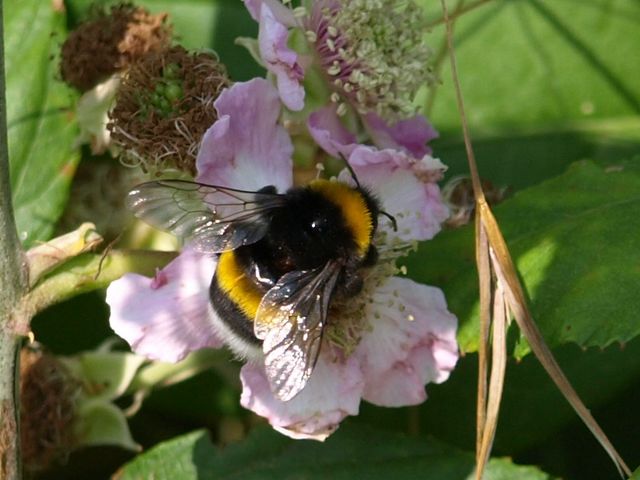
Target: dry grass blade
492,255
500,316
506,273
483,261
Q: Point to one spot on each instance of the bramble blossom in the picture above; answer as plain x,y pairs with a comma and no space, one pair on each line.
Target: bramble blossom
404,335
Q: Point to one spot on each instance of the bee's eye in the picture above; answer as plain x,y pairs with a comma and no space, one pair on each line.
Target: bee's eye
318,225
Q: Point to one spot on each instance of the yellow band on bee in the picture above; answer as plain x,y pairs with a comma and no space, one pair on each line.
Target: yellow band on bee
235,283
354,209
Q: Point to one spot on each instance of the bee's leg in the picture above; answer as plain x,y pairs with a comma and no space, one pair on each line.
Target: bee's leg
350,283
371,258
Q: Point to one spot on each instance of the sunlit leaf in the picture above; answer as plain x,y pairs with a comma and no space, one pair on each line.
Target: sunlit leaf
545,82
574,239
41,127
529,62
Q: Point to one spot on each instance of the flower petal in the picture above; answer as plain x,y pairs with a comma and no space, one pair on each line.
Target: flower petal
281,60
166,317
410,135
412,343
92,112
333,392
246,148
326,129
417,206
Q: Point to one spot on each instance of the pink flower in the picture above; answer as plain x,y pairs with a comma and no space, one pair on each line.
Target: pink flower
406,336
405,183
278,58
411,134
165,317
327,130
412,343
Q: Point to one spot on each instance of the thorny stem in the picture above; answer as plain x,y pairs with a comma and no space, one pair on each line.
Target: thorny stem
91,271
13,284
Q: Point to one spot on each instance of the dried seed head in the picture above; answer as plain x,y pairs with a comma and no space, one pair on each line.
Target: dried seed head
458,195
349,316
163,107
111,42
48,396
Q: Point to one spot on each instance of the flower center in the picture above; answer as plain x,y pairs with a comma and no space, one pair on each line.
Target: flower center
350,318
373,52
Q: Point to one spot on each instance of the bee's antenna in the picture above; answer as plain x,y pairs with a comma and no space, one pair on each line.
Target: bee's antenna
392,218
350,168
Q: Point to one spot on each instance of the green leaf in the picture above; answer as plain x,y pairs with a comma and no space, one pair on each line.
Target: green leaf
538,61
107,375
636,475
41,128
352,452
545,83
99,422
575,242
533,411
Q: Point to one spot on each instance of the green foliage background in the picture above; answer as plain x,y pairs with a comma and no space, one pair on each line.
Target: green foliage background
552,95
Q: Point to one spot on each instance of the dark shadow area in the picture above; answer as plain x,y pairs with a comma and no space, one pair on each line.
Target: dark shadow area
521,160
537,426
233,21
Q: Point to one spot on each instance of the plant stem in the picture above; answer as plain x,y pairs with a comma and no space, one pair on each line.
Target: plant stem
13,284
88,272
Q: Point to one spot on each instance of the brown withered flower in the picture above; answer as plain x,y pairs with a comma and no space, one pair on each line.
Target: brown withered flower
163,107
110,42
48,404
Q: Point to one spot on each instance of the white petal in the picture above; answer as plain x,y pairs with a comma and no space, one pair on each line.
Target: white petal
412,343
333,392
246,148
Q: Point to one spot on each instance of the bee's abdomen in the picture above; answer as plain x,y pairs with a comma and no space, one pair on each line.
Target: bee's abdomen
234,296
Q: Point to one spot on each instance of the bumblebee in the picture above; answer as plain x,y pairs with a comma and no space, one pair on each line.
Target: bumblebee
283,258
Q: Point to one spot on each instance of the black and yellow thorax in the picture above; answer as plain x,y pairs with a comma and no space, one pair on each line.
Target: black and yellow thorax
324,221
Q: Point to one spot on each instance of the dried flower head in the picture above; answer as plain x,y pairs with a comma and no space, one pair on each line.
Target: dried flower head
48,399
163,107
372,52
110,42
458,195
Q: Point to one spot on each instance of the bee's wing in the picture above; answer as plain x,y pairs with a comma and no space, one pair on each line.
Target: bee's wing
212,218
290,321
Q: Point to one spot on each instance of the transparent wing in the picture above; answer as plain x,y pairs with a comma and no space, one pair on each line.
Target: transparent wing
213,219
290,321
